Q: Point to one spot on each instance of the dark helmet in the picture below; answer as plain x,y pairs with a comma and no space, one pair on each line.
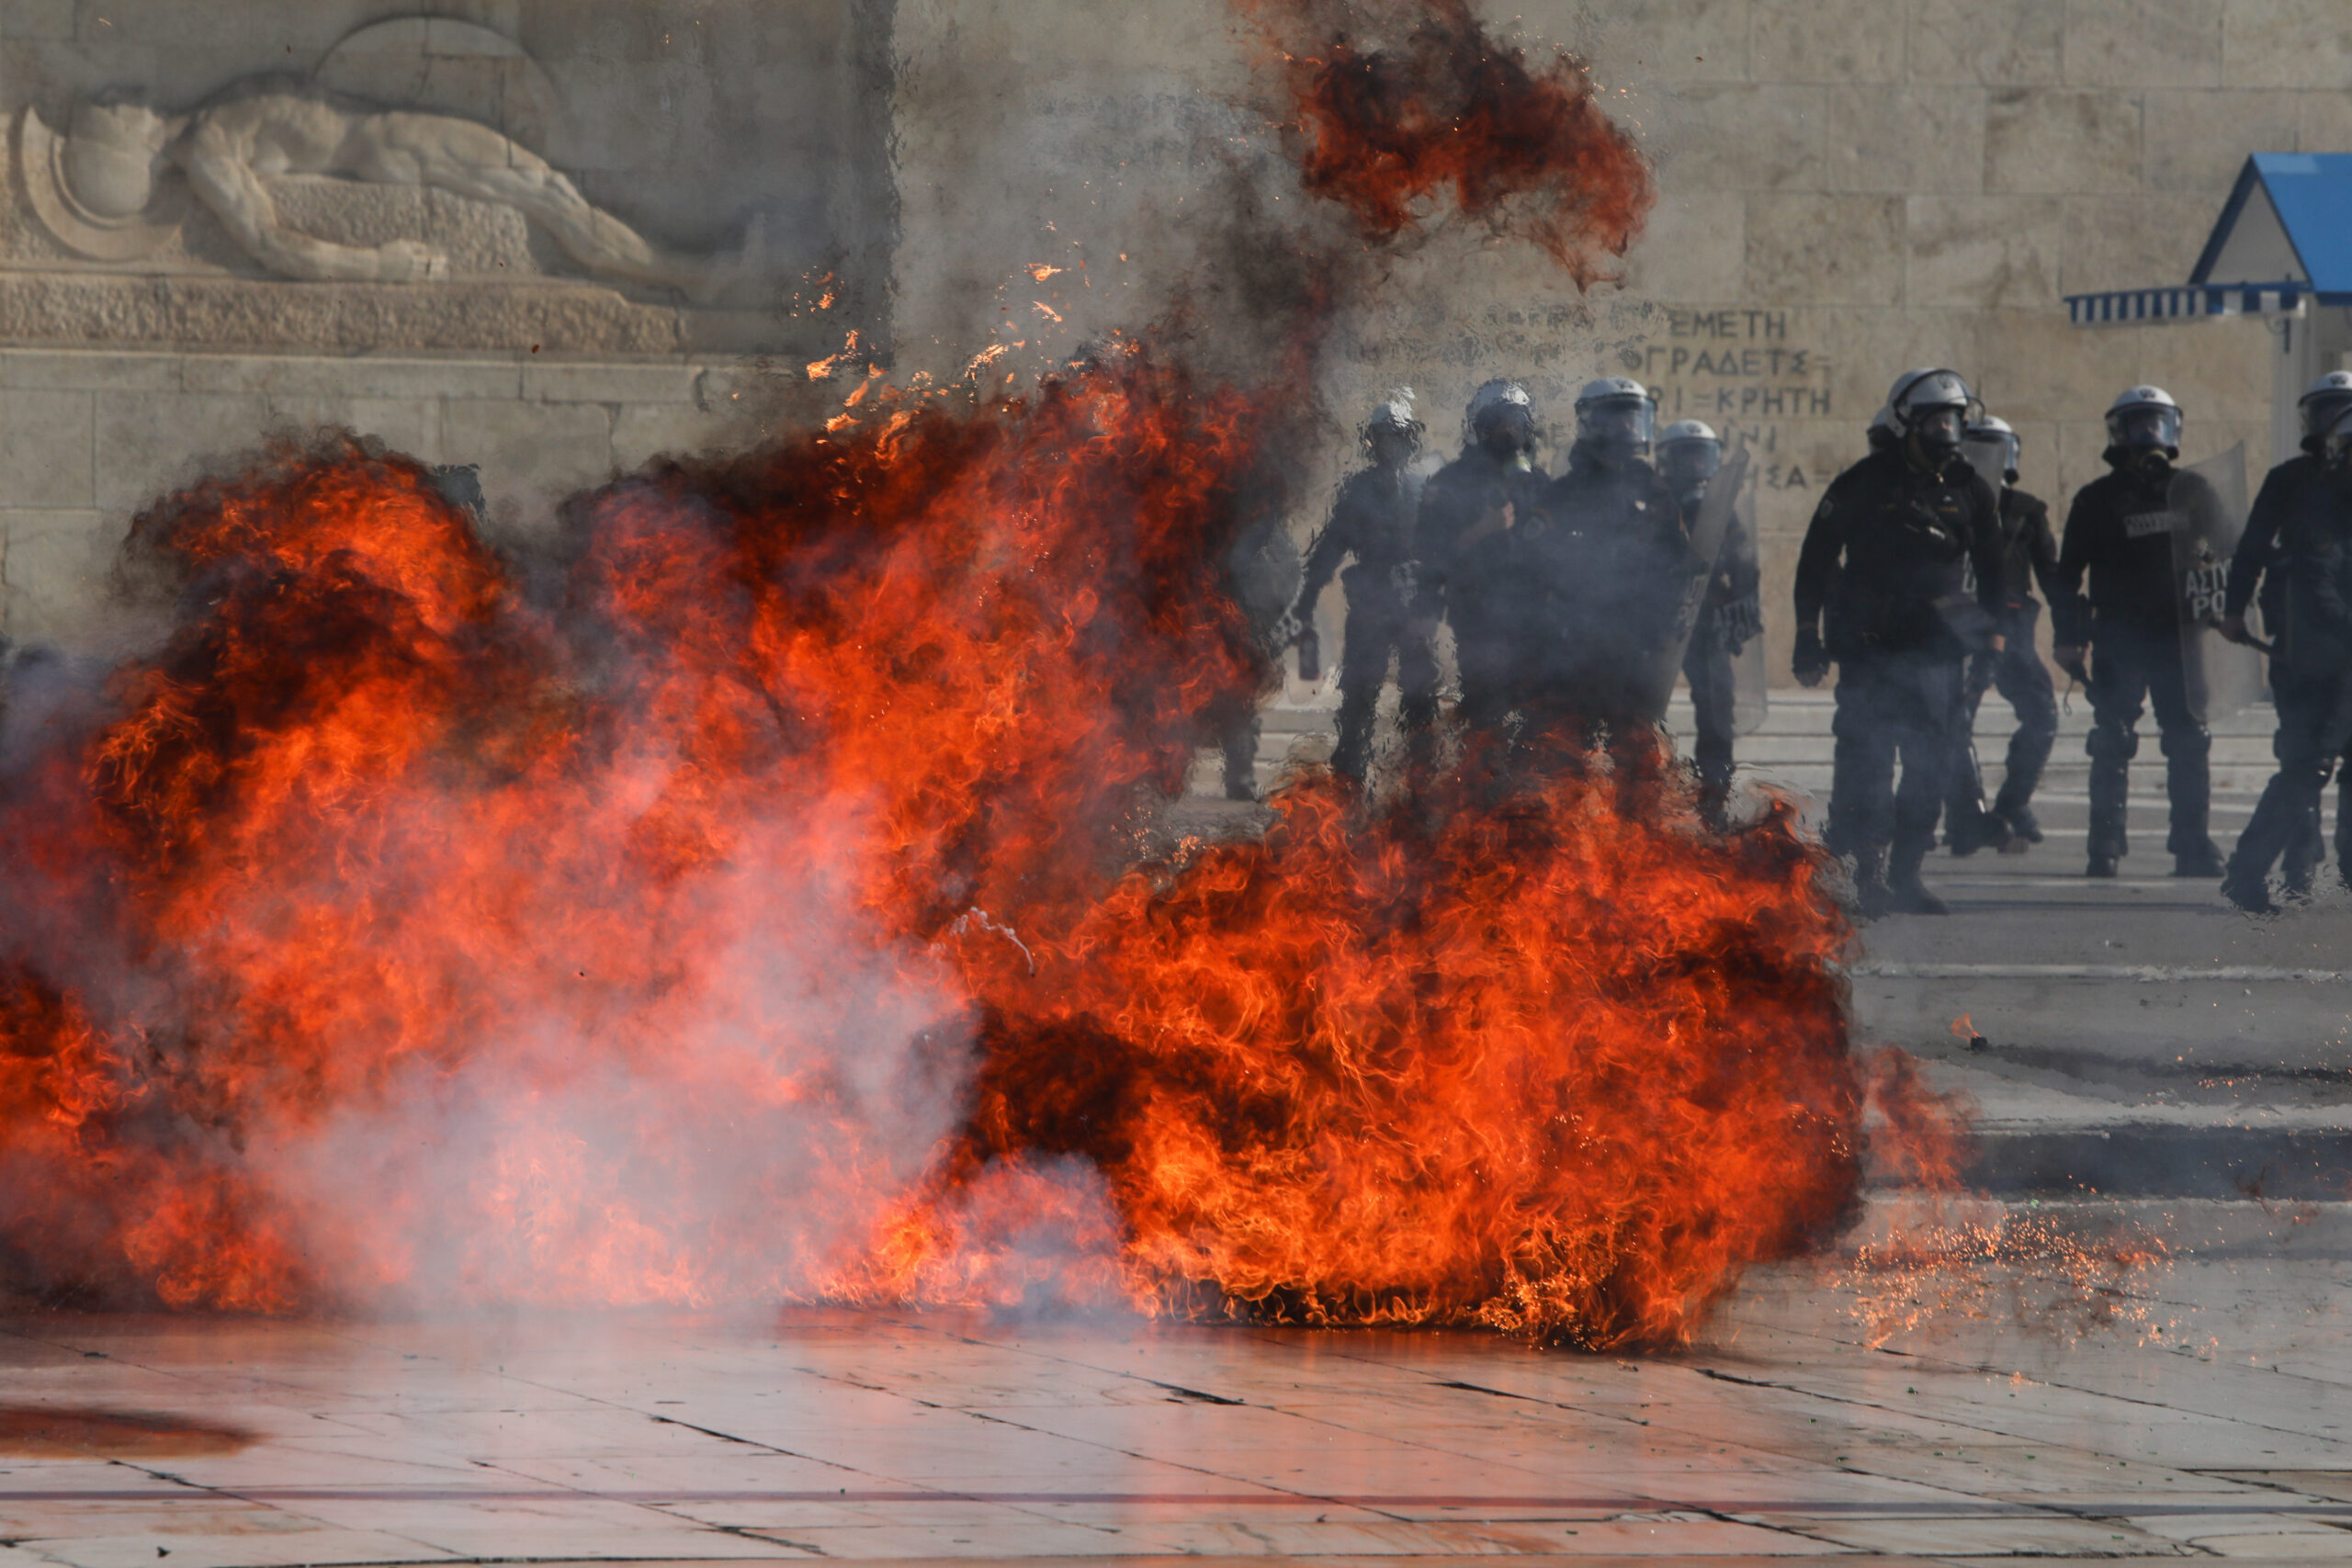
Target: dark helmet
1501,415
2144,419
1930,406
1689,453
2329,396
1614,415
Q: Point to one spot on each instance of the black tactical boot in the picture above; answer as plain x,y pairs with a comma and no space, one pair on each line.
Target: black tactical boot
2240,886
1871,900
2101,864
2203,861
1906,895
2024,827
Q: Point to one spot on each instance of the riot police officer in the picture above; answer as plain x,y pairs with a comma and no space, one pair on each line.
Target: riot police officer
2119,532
1372,519
1602,564
1689,453
1880,591
1464,552
2314,555
2257,575
2029,558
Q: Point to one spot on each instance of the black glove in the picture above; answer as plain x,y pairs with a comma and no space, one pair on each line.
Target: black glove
1811,662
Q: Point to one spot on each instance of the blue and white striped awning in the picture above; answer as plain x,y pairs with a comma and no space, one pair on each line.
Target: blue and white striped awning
2186,302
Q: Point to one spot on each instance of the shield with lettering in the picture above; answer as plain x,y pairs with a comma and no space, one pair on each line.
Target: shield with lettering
2206,506
1709,529
1751,678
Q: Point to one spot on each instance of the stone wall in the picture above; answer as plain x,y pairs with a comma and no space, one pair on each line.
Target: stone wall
755,130
1849,188
87,438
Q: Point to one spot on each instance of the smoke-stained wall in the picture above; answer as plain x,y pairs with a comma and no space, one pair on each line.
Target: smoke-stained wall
1847,188
745,141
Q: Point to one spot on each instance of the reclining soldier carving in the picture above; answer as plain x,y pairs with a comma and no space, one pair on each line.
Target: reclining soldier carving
106,167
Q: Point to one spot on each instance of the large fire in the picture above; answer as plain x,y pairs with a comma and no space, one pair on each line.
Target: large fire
747,904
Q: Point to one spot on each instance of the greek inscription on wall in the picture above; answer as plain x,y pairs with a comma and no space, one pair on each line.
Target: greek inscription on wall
1736,368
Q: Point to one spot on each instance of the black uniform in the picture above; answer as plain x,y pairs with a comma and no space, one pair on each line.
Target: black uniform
2257,575
1373,519
1732,613
1465,549
2120,533
2029,558
1879,589
2312,558
1604,565
1262,569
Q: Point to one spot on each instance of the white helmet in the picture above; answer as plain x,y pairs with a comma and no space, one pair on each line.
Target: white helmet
2144,419
1616,414
1392,414
1916,394
1930,407
1991,444
1688,454
2329,395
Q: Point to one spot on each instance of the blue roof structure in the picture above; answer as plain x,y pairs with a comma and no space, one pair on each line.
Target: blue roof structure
2284,239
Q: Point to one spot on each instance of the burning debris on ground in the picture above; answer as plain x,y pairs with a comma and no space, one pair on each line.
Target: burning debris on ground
739,911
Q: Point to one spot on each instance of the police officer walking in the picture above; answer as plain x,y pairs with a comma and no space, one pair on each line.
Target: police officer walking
1373,519
2029,558
1464,552
1689,453
2257,575
1879,591
2305,513
2119,532
1603,564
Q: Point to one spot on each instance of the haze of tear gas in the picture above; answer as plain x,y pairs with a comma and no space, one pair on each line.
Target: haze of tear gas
740,915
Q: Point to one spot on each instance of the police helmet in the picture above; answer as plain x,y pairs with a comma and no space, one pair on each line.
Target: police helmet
1393,415
1919,394
1689,453
1496,405
2329,396
2144,419
1616,411
1994,432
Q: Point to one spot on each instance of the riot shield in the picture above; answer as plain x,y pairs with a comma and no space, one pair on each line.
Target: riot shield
2208,506
1751,676
1709,529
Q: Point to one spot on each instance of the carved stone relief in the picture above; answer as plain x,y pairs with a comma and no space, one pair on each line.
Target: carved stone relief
116,185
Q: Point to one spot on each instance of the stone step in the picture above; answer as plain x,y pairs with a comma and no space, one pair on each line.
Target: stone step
2255,1135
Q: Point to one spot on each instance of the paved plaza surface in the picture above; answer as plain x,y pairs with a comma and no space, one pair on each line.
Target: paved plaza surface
2134,1344
2193,1407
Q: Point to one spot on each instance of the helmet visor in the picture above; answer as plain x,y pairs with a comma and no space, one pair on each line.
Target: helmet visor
2148,427
1688,465
2337,439
2319,413
1620,425
1504,425
1991,454
1939,428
